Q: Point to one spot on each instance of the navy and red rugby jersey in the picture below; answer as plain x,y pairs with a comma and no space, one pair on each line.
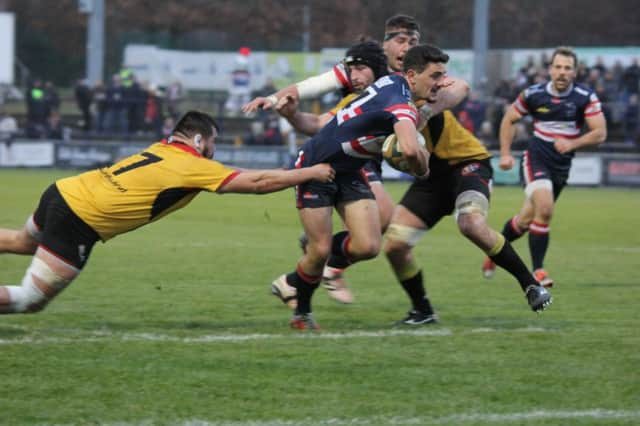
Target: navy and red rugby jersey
556,115
356,133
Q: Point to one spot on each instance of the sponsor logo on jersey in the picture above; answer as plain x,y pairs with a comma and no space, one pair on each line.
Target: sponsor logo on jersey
543,109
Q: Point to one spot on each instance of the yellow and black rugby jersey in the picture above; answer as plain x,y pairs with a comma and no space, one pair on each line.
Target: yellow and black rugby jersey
142,188
449,141
343,102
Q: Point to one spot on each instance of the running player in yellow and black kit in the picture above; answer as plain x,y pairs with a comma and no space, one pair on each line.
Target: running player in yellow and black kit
460,182
75,212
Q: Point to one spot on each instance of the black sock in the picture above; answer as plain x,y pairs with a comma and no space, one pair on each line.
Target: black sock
511,231
508,259
414,287
304,290
338,258
538,244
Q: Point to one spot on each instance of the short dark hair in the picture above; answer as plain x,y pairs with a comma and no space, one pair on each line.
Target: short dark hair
565,51
418,57
193,122
402,21
368,53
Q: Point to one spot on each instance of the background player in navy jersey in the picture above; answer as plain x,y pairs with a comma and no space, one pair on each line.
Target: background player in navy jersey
560,109
348,141
76,212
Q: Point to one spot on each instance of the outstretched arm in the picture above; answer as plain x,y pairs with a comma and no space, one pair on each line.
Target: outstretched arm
507,133
306,89
266,181
305,122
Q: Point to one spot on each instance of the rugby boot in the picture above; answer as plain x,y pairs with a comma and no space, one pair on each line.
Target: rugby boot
543,278
538,297
304,322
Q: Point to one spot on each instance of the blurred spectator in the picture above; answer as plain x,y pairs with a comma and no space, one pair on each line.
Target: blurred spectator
173,97
167,126
54,128
115,107
265,130
51,96
135,100
153,110
465,120
268,89
476,110
240,88
594,78
37,110
631,119
600,66
630,80
272,135
99,93
582,73
8,124
84,99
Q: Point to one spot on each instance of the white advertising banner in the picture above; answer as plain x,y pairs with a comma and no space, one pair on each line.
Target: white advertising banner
586,171
212,70
7,47
27,154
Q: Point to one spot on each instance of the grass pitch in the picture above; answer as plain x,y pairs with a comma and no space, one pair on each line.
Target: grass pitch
174,324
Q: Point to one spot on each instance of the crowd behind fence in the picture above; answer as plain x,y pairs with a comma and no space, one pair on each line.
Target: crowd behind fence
128,109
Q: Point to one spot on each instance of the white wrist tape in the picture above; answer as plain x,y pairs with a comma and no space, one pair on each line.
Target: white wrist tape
318,85
273,99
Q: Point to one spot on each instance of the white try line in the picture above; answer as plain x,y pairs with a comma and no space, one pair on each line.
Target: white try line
457,419
82,336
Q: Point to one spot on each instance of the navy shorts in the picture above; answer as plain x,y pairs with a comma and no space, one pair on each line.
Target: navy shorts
536,167
347,186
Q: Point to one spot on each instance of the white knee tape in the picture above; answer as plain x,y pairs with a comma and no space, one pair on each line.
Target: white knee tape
538,184
33,229
472,202
28,296
405,234
40,269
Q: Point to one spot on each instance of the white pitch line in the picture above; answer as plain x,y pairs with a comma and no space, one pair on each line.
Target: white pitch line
98,336
457,419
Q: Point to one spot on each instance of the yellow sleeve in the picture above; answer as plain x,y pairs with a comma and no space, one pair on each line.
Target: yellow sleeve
343,102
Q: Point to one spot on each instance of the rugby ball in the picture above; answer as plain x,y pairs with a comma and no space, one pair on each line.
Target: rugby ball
392,153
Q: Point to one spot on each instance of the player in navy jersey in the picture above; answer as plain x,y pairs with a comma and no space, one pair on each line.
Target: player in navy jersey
347,142
560,109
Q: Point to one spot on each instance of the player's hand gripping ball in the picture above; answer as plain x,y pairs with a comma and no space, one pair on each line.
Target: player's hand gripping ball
392,152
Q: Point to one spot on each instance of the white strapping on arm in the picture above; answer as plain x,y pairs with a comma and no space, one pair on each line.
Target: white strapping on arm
318,85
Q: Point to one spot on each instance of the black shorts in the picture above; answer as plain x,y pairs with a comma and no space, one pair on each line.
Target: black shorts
347,186
64,234
536,167
435,197
373,171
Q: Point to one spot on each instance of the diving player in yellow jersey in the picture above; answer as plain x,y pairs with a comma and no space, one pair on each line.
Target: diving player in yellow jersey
75,212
